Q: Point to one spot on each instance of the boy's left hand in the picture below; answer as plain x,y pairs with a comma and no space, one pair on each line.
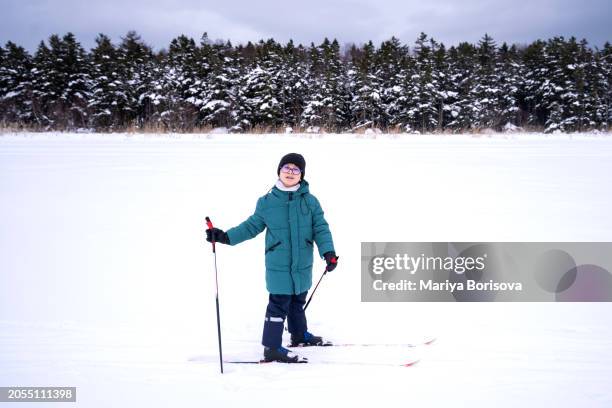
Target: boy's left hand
218,235
331,259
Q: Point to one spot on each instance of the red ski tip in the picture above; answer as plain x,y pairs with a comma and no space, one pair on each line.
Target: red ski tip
410,364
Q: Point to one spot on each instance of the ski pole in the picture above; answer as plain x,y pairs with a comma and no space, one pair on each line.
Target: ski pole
315,289
210,227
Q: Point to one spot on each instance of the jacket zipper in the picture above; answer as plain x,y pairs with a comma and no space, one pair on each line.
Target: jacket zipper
292,280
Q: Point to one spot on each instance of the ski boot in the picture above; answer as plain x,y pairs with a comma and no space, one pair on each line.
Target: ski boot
307,339
282,355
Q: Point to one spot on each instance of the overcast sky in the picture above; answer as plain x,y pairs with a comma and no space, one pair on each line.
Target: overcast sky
27,22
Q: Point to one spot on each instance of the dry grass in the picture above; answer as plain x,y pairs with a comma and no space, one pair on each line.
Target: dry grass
160,128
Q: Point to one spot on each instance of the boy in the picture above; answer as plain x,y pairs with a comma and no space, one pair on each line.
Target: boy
293,220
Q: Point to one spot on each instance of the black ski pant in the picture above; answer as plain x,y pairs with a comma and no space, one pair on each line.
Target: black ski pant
281,307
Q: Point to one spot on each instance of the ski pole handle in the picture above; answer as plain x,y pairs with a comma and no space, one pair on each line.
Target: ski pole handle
209,224
334,261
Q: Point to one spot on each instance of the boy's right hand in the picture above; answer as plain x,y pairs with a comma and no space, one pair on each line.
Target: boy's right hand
219,236
331,259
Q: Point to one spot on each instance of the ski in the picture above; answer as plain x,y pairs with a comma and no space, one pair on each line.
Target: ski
330,344
419,344
408,363
324,344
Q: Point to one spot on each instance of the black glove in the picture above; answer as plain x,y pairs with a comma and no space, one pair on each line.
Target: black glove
219,235
331,259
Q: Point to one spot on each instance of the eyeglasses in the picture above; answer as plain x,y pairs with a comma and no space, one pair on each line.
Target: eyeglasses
292,170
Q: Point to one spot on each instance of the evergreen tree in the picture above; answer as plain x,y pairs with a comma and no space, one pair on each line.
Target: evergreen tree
76,81
557,86
4,81
447,94
392,60
486,93
259,94
293,83
326,105
178,107
510,73
598,78
336,110
43,89
15,85
605,85
108,97
312,114
368,106
423,89
464,111
220,98
61,83
136,59
584,110
535,76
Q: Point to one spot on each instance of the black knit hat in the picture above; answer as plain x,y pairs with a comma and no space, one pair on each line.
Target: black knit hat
294,158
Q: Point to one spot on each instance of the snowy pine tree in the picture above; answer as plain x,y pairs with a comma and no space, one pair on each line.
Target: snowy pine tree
584,109
61,83
108,97
510,74
535,74
259,91
447,95
393,63
44,91
312,114
605,84
368,106
4,80
558,86
177,110
486,93
598,74
76,81
422,89
219,106
575,100
327,102
15,84
464,111
293,81
137,64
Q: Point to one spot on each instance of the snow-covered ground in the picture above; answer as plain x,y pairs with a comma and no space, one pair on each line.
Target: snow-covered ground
106,282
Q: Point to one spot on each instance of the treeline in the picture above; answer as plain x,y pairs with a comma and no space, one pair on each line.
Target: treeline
554,85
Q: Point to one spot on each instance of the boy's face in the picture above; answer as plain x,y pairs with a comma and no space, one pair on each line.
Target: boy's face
289,179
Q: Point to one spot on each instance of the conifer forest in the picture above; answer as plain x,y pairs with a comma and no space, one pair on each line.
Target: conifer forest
554,85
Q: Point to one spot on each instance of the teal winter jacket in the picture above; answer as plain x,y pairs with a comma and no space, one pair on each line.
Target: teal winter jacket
293,221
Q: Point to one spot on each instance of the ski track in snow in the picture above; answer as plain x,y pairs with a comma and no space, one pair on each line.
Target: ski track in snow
106,283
